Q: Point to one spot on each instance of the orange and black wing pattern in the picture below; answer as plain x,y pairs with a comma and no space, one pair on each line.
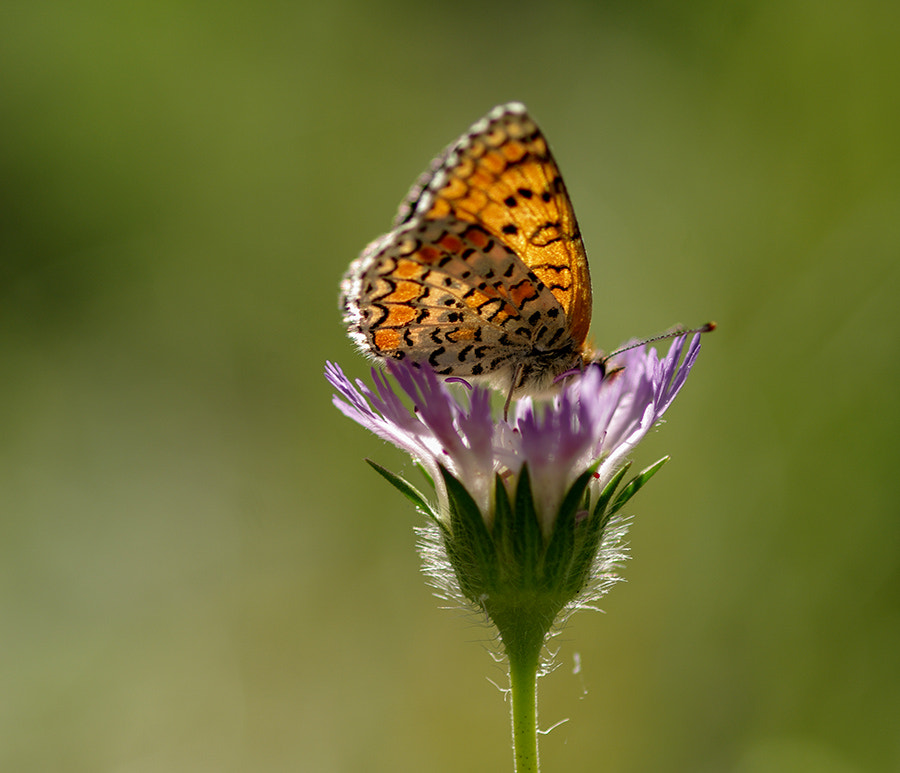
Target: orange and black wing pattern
501,175
484,274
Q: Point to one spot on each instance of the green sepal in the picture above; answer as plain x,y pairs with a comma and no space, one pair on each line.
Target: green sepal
589,534
469,545
407,489
559,558
425,474
527,539
502,533
635,484
607,494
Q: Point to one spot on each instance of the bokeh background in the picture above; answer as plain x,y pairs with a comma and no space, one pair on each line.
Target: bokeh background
197,570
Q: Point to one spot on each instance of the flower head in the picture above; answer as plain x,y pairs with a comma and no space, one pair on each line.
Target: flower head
524,517
599,415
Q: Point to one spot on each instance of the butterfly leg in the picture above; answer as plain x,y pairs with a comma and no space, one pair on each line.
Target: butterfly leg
513,385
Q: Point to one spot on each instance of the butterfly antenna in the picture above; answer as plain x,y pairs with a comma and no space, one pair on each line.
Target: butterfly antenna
675,332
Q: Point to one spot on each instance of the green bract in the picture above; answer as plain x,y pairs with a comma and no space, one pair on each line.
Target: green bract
504,563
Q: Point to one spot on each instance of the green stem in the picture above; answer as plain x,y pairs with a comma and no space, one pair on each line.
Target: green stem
524,661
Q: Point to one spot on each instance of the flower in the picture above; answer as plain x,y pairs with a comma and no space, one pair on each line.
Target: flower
524,520
594,417
524,507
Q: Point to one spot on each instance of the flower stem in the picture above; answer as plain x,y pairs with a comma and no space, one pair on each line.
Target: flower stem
524,661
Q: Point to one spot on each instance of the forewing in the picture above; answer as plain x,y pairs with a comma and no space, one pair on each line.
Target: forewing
501,175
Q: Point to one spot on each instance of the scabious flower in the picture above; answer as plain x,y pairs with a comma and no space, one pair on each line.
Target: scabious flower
529,497
523,514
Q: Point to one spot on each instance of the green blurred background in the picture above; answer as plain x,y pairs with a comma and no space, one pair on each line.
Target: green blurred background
197,570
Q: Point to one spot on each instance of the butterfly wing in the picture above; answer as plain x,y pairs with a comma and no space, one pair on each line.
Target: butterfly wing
450,293
502,176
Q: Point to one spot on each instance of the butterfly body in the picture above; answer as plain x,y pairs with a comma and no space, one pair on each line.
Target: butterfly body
484,276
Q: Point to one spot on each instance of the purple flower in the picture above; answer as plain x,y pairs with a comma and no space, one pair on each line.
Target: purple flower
525,521
595,418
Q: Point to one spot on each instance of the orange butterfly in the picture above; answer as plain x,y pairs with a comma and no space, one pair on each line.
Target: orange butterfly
484,275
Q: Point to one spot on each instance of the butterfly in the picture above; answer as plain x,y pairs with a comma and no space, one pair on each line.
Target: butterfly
484,275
